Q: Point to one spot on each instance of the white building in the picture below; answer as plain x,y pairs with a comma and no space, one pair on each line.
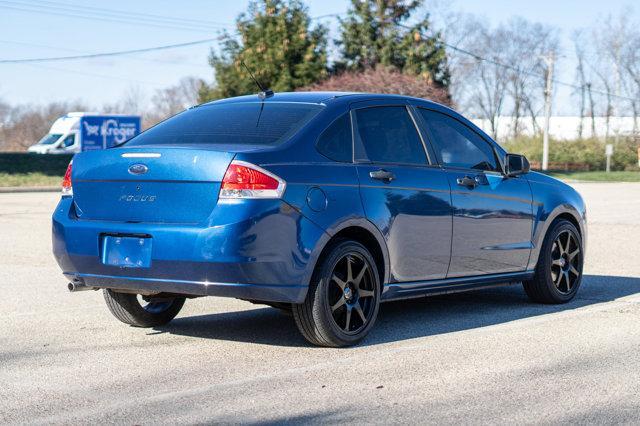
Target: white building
563,127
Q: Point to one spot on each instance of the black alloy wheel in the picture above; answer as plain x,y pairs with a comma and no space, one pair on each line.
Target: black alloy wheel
351,295
565,261
558,273
343,298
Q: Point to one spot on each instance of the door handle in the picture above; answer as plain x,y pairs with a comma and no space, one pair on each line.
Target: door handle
382,175
467,181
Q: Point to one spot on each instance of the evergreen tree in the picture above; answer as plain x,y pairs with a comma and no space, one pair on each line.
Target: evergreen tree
277,44
375,33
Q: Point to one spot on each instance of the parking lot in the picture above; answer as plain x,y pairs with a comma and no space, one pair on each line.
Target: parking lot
482,357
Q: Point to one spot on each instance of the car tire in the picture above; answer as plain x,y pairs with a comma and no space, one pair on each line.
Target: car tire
343,299
558,273
127,308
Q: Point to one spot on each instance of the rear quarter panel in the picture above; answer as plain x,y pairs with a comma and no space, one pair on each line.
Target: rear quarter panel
324,191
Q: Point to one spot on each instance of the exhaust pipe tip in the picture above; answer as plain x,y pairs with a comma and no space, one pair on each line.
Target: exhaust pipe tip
78,286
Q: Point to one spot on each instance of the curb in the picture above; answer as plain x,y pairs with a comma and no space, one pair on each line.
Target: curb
17,189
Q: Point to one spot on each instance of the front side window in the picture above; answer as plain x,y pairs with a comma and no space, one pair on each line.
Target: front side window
69,141
247,123
335,142
458,145
389,135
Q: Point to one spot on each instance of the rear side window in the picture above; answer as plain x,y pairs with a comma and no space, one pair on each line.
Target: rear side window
458,145
255,123
336,142
389,135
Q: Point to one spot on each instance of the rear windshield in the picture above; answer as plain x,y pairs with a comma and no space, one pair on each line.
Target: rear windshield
259,123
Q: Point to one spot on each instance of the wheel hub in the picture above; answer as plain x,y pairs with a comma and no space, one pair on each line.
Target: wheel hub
350,293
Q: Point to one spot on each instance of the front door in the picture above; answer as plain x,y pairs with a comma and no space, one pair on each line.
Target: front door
492,214
403,193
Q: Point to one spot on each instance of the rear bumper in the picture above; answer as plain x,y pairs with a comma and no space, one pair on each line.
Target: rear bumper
258,250
263,292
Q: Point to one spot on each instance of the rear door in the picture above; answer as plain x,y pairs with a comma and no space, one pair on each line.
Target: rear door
403,192
492,214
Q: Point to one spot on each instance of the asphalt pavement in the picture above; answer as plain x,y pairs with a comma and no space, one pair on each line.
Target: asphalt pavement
481,358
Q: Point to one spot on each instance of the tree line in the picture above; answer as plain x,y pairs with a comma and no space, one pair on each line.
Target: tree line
393,46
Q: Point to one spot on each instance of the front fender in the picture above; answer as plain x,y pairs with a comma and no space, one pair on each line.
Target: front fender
552,199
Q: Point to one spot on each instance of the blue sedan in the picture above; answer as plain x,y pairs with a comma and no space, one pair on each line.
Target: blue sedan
324,204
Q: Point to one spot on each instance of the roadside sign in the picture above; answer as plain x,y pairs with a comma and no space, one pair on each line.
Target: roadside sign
608,151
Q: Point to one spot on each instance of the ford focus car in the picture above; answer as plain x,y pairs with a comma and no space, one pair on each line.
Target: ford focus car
325,204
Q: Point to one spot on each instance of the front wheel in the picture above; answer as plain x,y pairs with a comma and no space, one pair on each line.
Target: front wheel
559,270
343,299
141,311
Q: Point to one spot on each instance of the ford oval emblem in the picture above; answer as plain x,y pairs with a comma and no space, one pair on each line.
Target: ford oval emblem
138,169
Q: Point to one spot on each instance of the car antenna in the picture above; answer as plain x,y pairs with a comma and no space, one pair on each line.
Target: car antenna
264,93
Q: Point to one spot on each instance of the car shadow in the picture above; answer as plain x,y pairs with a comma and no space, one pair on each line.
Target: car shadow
407,319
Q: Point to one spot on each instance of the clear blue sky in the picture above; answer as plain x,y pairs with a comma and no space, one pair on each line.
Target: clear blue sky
26,34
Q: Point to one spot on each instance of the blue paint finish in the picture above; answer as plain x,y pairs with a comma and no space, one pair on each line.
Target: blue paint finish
452,285
552,198
433,235
317,199
253,242
414,214
496,214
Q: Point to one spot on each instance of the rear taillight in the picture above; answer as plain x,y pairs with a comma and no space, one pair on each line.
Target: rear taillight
67,189
246,180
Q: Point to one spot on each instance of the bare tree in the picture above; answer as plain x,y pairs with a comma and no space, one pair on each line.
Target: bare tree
171,100
462,30
478,85
499,69
614,60
630,63
131,102
24,125
528,43
581,78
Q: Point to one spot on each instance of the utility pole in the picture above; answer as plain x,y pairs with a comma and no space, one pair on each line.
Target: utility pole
548,92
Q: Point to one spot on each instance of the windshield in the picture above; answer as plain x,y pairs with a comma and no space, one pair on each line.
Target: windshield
49,139
259,123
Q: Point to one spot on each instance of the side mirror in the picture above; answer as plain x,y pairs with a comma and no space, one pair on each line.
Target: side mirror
516,165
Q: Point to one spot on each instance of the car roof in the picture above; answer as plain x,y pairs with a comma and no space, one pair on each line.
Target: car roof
317,97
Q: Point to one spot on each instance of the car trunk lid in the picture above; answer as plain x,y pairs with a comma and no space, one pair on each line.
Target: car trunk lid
167,185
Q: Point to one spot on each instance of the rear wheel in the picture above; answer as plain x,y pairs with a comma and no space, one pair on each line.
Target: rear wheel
343,298
142,311
559,270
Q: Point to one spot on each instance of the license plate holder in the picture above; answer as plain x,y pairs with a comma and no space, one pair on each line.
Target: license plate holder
126,251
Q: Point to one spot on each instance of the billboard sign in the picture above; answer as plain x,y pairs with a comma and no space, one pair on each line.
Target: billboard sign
105,131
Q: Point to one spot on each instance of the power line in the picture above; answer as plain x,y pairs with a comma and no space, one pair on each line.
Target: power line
130,14
121,16
90,74
93,17
519,70
450,46
118,53
107,54
160,61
